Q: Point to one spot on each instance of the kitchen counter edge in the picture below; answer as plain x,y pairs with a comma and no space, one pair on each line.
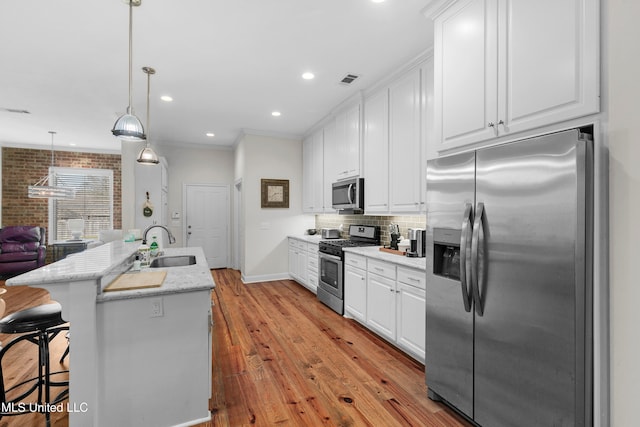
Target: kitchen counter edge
375,253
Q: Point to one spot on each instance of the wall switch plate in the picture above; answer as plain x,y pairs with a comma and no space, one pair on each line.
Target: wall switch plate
156,307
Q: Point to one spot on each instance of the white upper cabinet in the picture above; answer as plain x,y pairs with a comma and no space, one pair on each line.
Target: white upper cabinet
347,125
507,66
331,144
376,152
394,146
405,150
313,173
307,175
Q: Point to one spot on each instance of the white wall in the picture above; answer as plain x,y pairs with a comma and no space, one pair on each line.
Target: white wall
622,64
189,165
266,230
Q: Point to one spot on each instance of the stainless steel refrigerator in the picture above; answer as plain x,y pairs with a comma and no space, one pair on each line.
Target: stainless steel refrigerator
509,282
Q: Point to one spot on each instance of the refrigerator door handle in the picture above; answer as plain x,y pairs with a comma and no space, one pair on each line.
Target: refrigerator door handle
465,245
477,258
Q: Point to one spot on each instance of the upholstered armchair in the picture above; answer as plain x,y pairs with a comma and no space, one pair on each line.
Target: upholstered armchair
22,248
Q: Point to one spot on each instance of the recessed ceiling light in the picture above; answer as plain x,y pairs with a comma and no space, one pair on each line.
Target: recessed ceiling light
308,76
377,1
210,134
275,113
72,144
166,98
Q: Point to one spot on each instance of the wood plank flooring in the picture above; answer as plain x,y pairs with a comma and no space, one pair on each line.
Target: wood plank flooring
282,358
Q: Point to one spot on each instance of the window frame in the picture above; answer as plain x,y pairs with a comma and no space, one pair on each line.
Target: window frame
54,171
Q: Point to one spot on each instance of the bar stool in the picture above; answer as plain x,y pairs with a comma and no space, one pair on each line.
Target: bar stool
39,325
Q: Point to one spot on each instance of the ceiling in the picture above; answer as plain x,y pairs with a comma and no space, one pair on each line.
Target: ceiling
227,65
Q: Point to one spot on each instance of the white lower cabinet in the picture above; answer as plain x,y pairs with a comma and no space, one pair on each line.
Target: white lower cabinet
381,308
411,311
389,299
355,287
298,260
303,263
312,267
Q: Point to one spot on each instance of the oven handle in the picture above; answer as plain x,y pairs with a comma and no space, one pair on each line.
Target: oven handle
333,257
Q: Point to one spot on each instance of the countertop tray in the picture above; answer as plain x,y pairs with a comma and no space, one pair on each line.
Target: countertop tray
141,280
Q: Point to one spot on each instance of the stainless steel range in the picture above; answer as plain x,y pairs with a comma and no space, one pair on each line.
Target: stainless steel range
331,257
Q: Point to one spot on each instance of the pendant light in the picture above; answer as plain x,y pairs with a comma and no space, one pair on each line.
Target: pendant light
128,127
40,190
147,156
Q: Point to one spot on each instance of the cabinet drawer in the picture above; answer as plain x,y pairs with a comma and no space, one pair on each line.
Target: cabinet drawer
312,261
312,248
412,277
295,243
357,261
384,269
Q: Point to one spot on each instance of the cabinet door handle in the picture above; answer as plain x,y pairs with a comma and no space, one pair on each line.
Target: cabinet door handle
501,122
491,124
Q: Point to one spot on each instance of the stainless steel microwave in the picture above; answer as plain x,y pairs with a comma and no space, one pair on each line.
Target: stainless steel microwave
348,196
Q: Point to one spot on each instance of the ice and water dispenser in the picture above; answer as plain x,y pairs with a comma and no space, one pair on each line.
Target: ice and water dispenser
446,253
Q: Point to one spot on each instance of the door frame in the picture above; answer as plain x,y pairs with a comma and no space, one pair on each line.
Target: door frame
185,186
237,224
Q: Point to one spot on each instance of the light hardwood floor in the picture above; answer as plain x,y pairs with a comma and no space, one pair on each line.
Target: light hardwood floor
282,358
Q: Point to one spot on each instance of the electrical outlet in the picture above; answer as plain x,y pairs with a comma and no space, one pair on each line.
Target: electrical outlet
156,307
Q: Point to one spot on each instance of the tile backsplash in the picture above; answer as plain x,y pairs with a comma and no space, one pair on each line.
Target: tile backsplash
404,222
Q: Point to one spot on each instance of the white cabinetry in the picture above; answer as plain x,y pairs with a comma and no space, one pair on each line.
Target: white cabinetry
393,146
347,126
303,263
381,307
405,151
298,260
389,299
313,173
329,171
355,287
505,66
376,153
411,311
312,267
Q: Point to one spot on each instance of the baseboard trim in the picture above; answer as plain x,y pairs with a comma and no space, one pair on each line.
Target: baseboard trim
265,277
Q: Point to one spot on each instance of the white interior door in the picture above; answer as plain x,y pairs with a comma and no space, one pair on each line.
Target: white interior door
207,221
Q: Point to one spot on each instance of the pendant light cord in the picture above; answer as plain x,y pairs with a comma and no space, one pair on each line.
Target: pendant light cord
148,101
52,159
130,55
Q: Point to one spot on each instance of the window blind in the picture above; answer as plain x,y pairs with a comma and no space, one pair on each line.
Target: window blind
93,202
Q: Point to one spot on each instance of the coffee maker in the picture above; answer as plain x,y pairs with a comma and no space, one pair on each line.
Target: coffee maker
417,238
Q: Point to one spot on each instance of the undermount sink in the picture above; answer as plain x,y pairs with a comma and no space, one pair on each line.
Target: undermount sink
173,261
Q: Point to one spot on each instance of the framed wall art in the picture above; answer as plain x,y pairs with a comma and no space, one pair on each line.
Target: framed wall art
274,193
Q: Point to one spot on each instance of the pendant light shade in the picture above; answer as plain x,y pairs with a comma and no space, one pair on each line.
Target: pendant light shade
43,188
147,156
128,127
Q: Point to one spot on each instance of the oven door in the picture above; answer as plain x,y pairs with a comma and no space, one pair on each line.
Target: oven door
330,273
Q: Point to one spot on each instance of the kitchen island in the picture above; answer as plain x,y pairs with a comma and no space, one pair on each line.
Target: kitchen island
140,357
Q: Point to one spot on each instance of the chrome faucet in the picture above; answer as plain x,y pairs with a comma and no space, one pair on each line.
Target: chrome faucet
172,239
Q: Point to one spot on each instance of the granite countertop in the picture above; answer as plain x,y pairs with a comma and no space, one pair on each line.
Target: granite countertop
99,263
307,238
107,262
187,278
375,252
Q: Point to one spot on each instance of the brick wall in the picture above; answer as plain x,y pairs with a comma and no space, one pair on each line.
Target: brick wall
22,167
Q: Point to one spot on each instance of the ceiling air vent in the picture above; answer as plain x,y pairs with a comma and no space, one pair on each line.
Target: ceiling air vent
348,79
15,110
